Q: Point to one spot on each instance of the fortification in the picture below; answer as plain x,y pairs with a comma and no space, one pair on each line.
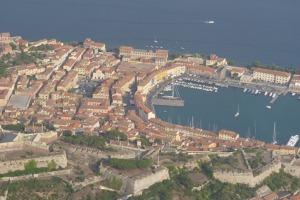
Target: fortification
59,158
143,181
247,176
293,168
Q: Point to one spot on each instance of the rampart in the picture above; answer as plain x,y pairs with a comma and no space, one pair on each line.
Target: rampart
59,158
27,145
293,168
247,176
144,181
41,175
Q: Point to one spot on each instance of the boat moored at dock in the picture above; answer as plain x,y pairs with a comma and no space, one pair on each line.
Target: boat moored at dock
293,141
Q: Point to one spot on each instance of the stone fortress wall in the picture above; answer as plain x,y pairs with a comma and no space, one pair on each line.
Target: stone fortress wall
59,158
293,168
247,176
144,181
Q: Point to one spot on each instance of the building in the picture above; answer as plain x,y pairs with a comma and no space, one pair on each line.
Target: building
295,83
4,37
228,135
272,76
96,46
129,53
237,71
30,69
207,72
215,60
69,81
5,48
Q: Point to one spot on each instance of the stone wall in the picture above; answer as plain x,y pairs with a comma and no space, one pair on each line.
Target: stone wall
144,181
59,158
11,146
41,175
247,177
293,168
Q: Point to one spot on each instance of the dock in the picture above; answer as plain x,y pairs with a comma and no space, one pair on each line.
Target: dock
274,99
168,102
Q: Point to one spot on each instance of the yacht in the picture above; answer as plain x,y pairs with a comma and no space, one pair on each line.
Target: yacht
238,112
266,93
293,141
155,41
293,94
269,107
245,90
271,94
210,22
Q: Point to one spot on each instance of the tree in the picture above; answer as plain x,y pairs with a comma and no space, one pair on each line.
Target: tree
13,46
30,165
67,133
14,127
158,141
52,165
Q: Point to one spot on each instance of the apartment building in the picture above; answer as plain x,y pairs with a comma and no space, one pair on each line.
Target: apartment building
272,76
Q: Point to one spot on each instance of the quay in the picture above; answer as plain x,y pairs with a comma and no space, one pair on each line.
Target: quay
168,102
274,99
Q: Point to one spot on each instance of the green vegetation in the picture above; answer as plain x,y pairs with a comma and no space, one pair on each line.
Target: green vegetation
31,77
86,140
161,191
145,141
31,168
72,90
115,135
14,127
180,187
216,190
67,133
94,140
30,165
52,165
250,150
127,164
13,45
256,160
283,180
180,157
158,141
43,47
293,70
206,169
113,183
103,195
73,43
22,58
54,188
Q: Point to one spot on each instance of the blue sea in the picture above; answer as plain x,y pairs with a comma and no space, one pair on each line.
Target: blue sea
244,31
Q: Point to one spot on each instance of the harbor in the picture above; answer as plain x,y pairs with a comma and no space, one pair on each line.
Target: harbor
217,110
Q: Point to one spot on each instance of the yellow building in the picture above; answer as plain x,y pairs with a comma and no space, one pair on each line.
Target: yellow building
271,76
228,135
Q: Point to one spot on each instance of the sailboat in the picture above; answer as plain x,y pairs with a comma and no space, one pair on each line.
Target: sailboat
274,134
155,41
238,112
175,92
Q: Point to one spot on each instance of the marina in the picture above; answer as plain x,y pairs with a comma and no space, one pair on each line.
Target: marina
218,109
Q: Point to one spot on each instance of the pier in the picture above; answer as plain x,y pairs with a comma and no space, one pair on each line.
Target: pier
274,99
168,102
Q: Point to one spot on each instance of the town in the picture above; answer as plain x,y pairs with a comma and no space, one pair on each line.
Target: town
85,114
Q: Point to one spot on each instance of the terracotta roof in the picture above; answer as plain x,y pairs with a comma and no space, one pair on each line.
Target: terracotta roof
274,72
